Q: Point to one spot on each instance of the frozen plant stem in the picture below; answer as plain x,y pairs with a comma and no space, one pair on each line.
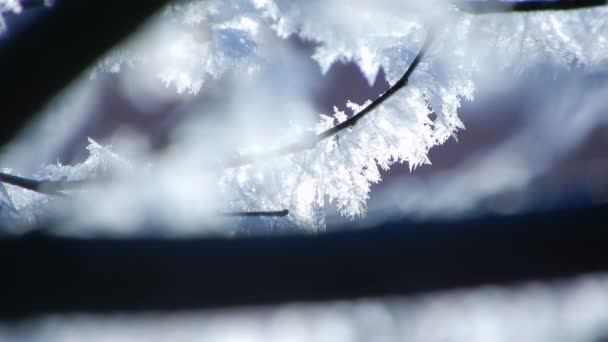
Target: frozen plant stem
43,187
487,7
311,143
279,213
55,188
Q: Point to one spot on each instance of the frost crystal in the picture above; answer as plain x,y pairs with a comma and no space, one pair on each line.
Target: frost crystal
8,213
101,162
188,42
29,205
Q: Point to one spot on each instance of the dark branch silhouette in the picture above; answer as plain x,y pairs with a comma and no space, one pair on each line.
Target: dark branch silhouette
279,213
392,90
56,188
487,7
46,187
474,7
311,143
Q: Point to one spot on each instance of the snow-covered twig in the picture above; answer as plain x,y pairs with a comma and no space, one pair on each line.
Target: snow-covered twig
312,142
392,90
486,7
56,188
279,213
47,187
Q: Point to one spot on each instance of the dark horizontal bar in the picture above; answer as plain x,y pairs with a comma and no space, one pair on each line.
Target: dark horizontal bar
492,6
42,274
43,58
25,183
278,213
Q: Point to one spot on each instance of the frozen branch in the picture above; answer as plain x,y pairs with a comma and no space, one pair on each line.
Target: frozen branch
312,142
46,187
258,213
56,188
486,7
392,90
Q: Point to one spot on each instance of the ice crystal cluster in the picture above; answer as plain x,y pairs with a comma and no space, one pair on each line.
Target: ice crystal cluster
192,42
25,207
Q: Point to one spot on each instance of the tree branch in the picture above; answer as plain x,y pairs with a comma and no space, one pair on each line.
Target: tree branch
487,7
352,121
280,213
56,188
46,187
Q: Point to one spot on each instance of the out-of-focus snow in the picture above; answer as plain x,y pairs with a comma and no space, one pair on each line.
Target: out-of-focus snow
13,6
189,42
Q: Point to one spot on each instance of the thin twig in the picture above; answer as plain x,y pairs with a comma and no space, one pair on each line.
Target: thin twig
392,90
55,188
279,213
487,7
46,187
311,143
